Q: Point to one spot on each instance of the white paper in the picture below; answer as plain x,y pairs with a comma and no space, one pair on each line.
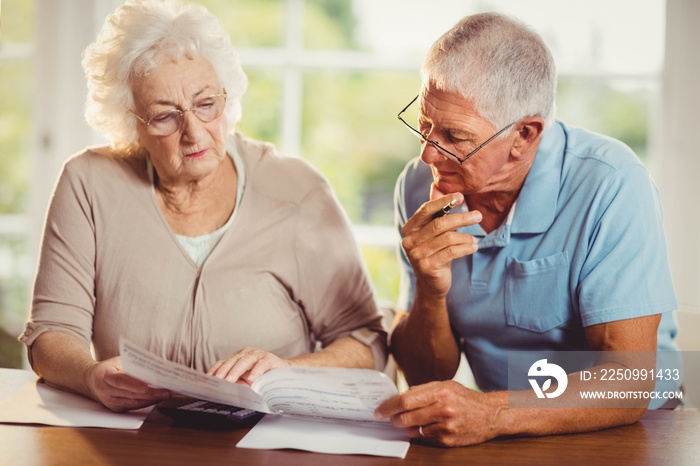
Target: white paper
337,437
12,379
321,409
325,392
312,392
36,403
162,373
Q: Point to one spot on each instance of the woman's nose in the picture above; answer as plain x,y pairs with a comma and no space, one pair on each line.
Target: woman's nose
192,127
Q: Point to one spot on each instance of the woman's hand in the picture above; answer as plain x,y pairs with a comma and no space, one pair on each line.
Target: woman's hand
118,391
246,365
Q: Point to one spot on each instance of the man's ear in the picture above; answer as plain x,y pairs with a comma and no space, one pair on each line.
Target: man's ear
529,130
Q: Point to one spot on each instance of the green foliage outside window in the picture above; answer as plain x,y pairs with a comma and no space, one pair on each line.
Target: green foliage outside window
618,109
329,24
15,134
16,79
262,105
252,23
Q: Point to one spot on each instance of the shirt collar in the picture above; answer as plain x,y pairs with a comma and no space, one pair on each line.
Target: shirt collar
537,202
500,237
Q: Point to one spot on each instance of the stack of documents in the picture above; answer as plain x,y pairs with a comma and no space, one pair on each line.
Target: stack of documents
322,409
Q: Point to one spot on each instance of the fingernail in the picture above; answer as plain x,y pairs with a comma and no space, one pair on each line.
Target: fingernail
476,216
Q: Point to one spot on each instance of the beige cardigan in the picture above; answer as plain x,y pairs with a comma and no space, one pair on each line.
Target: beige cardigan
285,277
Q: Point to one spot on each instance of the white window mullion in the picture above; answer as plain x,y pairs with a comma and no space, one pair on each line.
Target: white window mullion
292,92
64,29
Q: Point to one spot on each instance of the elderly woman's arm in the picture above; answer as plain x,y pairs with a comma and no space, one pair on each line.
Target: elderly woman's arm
64,362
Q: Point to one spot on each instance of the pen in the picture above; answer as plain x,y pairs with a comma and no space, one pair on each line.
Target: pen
445,209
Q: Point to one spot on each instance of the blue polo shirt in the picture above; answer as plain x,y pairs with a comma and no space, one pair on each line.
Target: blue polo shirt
584,245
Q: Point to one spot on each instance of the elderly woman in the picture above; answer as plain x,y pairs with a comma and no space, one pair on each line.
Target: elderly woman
206,247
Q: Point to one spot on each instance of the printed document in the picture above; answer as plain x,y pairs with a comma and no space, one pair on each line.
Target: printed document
339,402
309,392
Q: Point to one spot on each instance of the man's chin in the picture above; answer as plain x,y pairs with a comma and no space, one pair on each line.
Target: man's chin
438,190
435,192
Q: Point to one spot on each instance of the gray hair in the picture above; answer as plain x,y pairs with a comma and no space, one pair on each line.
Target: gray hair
498,64
129,45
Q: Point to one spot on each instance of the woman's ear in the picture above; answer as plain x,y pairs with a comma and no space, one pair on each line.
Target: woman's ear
529,130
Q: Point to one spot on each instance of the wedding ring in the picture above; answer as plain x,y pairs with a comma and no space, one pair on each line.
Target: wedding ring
420,431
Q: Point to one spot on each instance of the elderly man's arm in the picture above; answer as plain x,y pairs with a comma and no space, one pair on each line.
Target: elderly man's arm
449,414
638,335
423,344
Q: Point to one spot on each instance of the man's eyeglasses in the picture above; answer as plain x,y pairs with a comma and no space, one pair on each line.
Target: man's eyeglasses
451,155
166,123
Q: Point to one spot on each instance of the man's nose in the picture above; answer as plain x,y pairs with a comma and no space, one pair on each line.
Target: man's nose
429,153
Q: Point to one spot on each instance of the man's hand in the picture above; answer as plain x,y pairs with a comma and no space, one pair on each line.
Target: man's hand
246,365
443,413
431,244
118,391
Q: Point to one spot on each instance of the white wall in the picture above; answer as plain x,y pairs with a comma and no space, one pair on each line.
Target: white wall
679,160
679,174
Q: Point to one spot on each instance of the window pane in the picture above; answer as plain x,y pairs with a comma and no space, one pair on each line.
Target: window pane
616,107
15,134
251,23
15,272
392,28
383,268
15,139
17,21
16,91
262,105
351,133
329,24
596,36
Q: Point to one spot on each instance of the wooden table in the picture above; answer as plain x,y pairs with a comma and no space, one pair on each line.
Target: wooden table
660,438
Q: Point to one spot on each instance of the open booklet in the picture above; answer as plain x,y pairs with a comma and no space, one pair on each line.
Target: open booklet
309,392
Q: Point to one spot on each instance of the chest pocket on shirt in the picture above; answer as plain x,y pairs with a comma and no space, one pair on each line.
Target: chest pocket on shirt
536,293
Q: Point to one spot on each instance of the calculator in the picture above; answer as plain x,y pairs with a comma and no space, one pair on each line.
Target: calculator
206,414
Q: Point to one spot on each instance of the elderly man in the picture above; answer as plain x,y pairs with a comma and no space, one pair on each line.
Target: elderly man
554,242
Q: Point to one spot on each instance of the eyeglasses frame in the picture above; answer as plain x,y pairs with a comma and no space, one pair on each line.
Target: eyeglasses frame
182,113
437,145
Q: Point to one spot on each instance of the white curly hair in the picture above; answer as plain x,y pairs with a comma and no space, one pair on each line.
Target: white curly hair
129,45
